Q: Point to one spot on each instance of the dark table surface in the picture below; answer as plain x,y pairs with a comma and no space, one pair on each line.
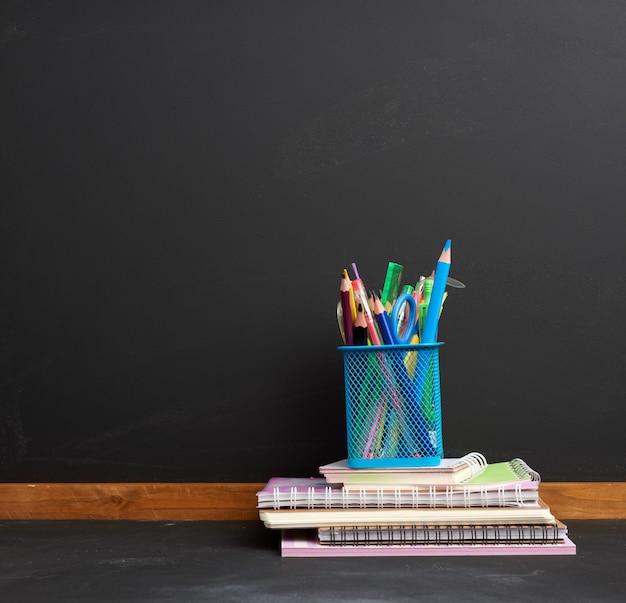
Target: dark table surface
227,561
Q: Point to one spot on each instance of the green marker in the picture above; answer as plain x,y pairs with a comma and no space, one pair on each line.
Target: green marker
423,307
392,285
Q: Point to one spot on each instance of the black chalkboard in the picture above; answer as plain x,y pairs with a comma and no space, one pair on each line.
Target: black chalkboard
183,183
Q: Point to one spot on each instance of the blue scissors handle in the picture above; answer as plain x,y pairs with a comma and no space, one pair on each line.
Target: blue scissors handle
403,303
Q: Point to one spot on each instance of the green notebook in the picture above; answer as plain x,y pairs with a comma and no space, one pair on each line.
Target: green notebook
515,470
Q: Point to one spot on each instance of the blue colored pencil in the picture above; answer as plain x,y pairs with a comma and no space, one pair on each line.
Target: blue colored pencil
429,333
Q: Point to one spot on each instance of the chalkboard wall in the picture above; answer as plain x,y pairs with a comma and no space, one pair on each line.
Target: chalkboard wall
183,183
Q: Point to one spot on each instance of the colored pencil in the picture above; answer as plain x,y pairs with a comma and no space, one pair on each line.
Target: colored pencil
429,333
345,289
360,327
383,321
361,295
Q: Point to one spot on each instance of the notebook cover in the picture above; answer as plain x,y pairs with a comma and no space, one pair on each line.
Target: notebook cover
477,473
304,543
318,518
299,492
447,534
448,471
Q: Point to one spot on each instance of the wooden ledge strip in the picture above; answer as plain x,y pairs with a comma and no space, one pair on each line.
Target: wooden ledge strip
226,501
151,501
585,500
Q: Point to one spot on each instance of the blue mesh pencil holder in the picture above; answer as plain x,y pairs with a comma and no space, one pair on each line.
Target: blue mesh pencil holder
393,405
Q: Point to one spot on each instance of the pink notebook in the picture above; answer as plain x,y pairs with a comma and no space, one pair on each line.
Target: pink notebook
310,493
304,543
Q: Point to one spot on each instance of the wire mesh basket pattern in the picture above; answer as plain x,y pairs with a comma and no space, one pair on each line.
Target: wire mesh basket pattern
393,405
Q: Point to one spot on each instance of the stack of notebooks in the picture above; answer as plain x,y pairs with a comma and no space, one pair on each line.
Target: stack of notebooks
463,506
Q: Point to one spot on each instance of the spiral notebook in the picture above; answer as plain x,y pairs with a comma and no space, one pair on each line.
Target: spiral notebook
448,471
309,493
550,533
304,543
505,472
537,513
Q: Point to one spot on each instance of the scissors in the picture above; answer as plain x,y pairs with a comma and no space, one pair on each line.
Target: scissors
404,323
